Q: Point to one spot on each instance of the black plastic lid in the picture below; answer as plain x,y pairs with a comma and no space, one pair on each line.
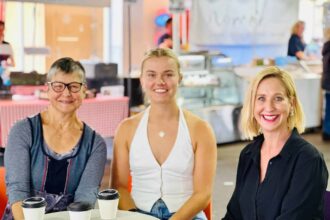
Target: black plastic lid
80,206
108,194
34,202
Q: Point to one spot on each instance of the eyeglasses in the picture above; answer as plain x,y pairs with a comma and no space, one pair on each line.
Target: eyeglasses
60,86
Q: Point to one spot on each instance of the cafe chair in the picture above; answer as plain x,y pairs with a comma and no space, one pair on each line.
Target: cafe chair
3,196
327,205
207,210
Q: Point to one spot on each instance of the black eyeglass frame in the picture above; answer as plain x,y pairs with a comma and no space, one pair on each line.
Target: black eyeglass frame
66,85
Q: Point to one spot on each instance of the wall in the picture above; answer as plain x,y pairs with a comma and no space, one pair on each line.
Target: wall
74,31
67,30
25,27
243,30
95,3
143,29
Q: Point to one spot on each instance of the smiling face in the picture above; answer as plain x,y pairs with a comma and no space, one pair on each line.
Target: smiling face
160,79
66,101
272,106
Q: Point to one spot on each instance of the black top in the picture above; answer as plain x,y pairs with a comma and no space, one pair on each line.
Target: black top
295,45
162,38
326,66
293,188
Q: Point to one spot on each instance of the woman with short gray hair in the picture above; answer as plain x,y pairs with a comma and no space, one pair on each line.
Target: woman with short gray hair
54,154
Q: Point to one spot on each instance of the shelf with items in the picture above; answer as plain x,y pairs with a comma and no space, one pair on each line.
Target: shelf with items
216,88
212,91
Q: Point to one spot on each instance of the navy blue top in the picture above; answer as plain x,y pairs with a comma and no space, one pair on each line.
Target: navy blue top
295,45
326,66
293,188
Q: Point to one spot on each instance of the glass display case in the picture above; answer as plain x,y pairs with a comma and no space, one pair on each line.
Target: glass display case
214,95
203,89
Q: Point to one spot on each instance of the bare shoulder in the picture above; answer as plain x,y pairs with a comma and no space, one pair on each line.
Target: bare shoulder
201,133
127,127
194,122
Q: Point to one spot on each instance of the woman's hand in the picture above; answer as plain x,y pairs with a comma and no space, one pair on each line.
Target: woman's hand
17,211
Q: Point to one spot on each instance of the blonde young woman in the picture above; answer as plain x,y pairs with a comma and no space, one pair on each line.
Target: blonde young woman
279,175
169,152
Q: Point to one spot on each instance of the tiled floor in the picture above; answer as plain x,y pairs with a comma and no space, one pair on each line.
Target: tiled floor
226,170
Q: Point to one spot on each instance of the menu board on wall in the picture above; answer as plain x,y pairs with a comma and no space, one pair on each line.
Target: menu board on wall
223,22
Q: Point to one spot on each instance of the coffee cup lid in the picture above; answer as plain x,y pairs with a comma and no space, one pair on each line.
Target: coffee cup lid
79,206
108,194
34,202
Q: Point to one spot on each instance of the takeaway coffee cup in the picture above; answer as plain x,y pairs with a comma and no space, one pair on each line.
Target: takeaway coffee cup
34,208
80,211
108,203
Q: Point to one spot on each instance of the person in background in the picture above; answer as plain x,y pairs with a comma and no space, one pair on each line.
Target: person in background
54,154
326,84
170,153
165,40
279,174
296,42
6,59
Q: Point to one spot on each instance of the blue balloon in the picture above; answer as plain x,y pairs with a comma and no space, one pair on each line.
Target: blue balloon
161,19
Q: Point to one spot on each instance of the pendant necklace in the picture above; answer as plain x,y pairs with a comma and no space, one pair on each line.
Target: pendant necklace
161,134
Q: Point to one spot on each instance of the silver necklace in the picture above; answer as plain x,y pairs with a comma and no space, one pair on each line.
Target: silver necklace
161,134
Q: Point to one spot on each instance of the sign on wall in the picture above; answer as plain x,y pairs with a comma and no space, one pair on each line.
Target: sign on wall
215,22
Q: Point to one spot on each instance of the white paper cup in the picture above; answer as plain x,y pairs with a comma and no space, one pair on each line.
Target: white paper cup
80,211
34,208
108,203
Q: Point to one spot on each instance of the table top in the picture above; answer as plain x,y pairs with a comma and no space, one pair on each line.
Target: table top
121,215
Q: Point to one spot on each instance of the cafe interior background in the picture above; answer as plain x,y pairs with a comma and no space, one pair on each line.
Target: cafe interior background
223,44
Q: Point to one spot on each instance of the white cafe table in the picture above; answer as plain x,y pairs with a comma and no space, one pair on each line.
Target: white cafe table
121,215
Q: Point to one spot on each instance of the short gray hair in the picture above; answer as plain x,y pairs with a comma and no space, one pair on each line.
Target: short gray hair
66,65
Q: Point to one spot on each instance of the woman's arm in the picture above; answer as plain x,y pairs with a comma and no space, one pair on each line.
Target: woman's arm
304,199
204,171
11,61
17,163
92,176
300,55
120,171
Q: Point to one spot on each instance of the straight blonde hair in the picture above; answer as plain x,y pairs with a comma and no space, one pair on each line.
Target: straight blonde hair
249,124
295,26
326,34
161,52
